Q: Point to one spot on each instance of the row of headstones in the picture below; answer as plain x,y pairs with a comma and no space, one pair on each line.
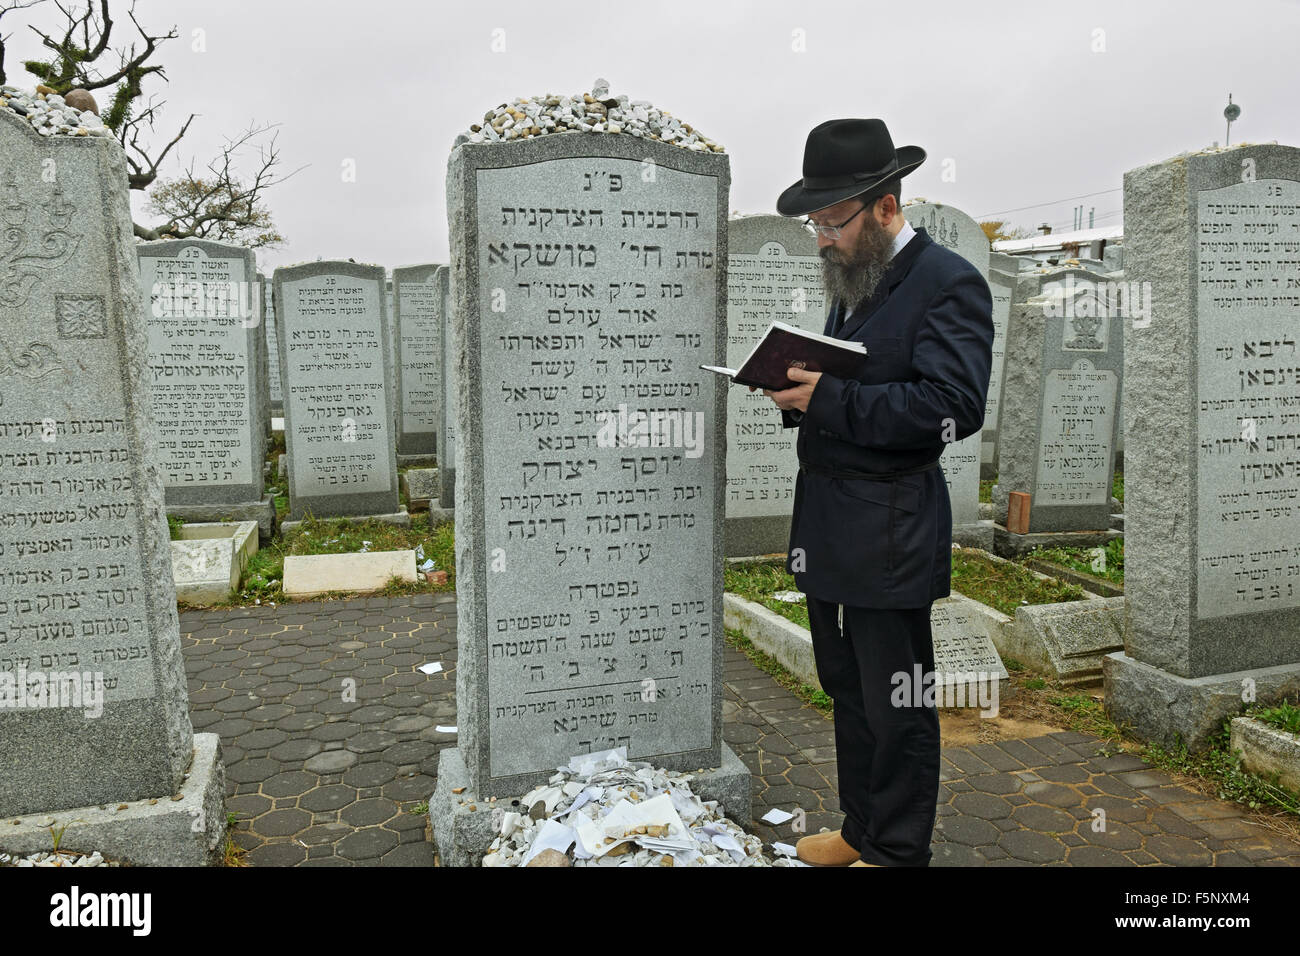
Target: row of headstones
362,392
367,392
1051,424
590,607
587,572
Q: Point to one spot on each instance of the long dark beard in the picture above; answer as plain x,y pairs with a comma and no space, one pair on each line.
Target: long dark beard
853,277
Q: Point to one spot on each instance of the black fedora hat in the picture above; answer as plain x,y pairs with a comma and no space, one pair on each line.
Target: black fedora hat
844,158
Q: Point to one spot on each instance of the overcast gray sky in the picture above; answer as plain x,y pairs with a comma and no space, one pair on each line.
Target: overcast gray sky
1032,102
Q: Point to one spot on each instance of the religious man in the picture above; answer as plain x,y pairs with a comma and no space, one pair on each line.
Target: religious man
871,535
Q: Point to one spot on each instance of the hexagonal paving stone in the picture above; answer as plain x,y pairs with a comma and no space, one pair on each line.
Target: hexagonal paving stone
251,770
1031,846
1096,856
262,739
1058,795
997,783
331,761
330,797
277,854
1044,819
291,783
969,831
373,773
281,823
366,813
368,844
986,806
248,805
371,741
335,730
297,749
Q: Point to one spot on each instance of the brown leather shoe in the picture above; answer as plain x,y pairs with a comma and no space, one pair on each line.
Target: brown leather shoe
826,849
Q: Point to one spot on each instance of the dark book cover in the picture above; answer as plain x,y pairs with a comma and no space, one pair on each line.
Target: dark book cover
784,346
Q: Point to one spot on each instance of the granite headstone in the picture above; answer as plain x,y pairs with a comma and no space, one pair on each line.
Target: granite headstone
1060,390
773,274
419,299
204,323
338,411
590,283
1213,479
961,460
450,401
87,603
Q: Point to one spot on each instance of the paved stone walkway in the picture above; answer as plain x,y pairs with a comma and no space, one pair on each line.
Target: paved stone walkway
318,780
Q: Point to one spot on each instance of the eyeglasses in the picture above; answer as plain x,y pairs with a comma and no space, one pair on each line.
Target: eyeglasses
831,232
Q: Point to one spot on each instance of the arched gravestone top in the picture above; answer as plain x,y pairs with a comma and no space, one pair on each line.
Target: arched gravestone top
87,557
634,234
338,409
204,323
952,229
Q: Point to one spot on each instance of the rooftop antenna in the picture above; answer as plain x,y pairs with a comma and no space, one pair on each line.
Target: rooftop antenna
1230,113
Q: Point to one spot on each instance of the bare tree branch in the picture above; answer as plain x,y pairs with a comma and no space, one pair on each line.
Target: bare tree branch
6,8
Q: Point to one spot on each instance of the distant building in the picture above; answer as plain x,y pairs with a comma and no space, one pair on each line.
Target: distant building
1053,248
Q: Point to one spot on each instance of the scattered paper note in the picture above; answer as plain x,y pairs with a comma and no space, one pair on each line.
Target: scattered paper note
776,816
445,730
430,668
784,849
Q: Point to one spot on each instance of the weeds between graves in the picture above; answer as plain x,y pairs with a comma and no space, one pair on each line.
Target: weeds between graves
1084,560
233,855
263,578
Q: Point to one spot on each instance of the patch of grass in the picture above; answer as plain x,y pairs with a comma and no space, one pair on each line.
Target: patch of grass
986,490
174,525
1002,586
1222,768
263,579
1284,716
1110,567
1117,487
814,698
758,582
1006,586
233,855
419,809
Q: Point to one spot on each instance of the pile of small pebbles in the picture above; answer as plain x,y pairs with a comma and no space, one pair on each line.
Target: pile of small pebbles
614,780
62,858
52,115
592,112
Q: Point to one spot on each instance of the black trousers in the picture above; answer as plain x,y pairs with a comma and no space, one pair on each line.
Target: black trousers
887,755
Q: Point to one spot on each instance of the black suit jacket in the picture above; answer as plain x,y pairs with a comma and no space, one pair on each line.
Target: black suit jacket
928,329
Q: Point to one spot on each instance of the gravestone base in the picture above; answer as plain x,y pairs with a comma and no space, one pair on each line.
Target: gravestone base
439,514
263,512
1067,641
420,461
988,471
401,518
461,836
186,832
977,535
754,536
1009,545
1167,709
421,486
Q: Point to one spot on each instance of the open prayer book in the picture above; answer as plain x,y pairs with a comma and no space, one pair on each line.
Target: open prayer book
784,346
